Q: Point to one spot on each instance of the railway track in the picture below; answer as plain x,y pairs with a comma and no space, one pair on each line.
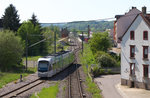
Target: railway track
16,92
74,81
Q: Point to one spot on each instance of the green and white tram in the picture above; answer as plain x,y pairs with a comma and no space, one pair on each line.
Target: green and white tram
50,65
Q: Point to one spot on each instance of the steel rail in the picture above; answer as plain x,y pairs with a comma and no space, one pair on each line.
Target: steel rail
19,88
76,48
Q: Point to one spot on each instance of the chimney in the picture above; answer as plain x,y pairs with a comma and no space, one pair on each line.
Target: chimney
144,10
133,7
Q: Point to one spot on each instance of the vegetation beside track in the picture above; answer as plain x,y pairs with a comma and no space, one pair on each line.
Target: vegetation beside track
86,60
32,58
50,92
7,77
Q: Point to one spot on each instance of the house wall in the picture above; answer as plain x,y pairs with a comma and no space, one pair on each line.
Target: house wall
138,27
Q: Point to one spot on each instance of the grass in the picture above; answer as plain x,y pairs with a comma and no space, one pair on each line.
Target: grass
86,60
50,92
32,58
7,77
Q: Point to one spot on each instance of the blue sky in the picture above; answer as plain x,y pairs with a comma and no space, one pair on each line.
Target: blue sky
53,11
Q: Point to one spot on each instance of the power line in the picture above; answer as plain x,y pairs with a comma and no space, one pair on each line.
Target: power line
102,19
38,42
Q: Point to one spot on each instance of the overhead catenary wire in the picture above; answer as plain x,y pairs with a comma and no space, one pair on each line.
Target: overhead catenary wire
38,42
101,19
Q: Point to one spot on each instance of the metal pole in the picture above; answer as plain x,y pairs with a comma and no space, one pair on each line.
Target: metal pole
55,42
88,31
82,43
26,51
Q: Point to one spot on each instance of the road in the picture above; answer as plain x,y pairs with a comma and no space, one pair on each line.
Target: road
107,84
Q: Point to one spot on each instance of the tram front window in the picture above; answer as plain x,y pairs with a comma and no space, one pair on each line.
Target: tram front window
43,66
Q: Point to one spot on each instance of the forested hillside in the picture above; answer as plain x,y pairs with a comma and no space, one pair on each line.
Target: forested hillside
95,26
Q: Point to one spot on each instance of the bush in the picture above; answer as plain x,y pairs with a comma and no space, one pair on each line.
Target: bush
96,71
105,60
109,71
115,56
11,50
102,71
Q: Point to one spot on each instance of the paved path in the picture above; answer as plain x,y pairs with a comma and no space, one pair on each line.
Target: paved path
107,84
133,92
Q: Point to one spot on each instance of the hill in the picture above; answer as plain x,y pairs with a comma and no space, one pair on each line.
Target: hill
95,26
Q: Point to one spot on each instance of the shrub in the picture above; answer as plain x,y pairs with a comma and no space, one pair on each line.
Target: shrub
102,71
109,71
96,71
115,56
105,60
11,50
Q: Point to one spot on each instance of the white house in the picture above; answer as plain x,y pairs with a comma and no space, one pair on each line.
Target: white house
135,52
122,23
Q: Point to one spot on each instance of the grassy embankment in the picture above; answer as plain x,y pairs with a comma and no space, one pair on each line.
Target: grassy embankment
50,92
13,75
86,60
7,77
32,58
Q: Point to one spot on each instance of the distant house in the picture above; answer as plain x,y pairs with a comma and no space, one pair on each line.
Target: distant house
64,32
134,38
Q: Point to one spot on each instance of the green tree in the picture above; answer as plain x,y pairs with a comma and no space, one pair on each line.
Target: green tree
49,43
11,50
33,35
11,18
100,42
34,20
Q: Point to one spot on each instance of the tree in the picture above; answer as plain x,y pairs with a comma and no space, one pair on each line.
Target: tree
49,43
100,42
33,35
11,18
11,50
48,33
34,20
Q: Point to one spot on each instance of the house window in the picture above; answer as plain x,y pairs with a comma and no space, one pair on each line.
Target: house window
145,35
131,35
132,68
132,51
145,70
145,52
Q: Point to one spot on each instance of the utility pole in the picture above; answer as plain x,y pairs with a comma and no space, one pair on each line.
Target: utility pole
54,42
26,51
82,43
88,31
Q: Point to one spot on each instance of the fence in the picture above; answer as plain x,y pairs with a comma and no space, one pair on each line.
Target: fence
31,63
113,69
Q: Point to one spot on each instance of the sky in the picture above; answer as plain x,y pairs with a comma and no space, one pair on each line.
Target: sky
54,11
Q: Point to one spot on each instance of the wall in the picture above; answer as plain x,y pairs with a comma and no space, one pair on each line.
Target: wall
138,26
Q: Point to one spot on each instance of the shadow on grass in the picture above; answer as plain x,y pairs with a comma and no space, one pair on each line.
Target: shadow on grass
20,69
